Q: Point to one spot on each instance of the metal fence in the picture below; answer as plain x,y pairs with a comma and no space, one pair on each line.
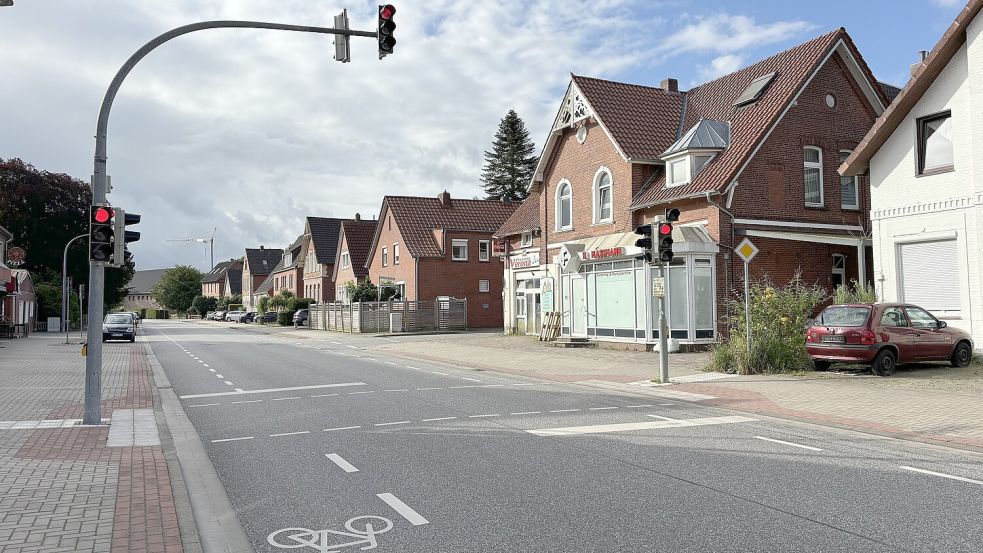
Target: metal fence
414,316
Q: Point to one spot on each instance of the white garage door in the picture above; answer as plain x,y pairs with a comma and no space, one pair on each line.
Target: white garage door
930,276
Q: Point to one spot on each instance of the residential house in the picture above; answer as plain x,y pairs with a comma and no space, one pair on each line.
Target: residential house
321,236
752,155
6,282
23,300
216,283
233,279
289,272
138,290
352,250
257,265
923,158
434,247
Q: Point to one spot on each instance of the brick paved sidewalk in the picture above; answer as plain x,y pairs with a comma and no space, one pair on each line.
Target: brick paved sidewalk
64,489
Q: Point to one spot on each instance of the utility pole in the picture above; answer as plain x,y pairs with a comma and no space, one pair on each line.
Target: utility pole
100,187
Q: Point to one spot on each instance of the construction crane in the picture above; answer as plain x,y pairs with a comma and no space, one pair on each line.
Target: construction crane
209,240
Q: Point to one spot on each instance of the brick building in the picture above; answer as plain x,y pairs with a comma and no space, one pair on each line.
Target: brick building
352,250
289,271
257,265
434,247
224,280
751,154
138,291
321,244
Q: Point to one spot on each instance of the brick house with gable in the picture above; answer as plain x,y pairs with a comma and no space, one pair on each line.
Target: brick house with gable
433,247
751,154
257,265
353,244
224,280
289,271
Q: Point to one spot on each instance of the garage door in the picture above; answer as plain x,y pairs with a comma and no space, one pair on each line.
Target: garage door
930,276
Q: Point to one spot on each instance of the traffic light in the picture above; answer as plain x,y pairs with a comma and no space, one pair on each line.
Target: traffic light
100,233
665,242
384,31
123,236
645,242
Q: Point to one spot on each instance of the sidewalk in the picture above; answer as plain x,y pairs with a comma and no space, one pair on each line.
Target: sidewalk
62,486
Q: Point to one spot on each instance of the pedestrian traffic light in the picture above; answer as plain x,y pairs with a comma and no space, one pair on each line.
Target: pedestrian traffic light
123,236
665,242
100,233
645,242
385,29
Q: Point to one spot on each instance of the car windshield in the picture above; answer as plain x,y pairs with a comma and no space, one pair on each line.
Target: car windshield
118,319
843,315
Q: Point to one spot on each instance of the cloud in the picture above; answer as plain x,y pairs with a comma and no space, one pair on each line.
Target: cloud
949,3
725,33
720,66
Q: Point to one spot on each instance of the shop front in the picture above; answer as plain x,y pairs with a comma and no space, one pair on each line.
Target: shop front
526,292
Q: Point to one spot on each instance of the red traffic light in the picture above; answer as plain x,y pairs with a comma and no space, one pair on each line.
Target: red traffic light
102,214
665,229
387,11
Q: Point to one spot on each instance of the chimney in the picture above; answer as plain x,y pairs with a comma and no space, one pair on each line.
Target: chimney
922,56
358,217
261,247
671,85
445,199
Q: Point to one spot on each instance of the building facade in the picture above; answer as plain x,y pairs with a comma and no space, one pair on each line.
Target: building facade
224,280
354,240
321,237
257,265
289,272
138,291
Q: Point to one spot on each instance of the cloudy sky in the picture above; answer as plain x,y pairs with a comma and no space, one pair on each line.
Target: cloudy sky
251,130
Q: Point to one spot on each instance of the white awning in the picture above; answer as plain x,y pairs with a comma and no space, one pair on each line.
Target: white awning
808,237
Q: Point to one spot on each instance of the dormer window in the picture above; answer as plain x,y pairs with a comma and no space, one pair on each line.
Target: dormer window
695,150
683,170
677,172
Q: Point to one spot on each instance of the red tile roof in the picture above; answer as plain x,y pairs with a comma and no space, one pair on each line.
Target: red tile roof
358,235
526,217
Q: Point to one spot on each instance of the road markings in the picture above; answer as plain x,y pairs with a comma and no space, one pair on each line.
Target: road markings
200,361
229,383
439,419
636,406
773,440
629,426
219,376
399,390
403,509
343,464
422,389
336,343
480,416
211,370
285,398
943,475
666,404
391,423
268,390
564,410
341,428
353,347
414,368
600,408
247,401
204,405
524,384
660,417
323,395
204,365
232,439
492,386
389,362
471,379
366,392
290,433
440,373
527,413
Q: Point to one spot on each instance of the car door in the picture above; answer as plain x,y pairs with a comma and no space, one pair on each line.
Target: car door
931,342
894,323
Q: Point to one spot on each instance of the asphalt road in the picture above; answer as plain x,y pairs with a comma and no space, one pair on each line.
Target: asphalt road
311,431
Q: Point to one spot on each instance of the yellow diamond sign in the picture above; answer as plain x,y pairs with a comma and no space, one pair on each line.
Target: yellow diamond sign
746,250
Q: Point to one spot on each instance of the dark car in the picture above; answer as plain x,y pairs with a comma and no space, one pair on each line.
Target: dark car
119,326
249,317
269,317
300,317
883,335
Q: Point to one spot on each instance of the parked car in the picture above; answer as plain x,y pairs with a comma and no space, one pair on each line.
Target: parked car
136,317
248,317
119,326
883,335
218,316
269,317
300,317
209,315
234,316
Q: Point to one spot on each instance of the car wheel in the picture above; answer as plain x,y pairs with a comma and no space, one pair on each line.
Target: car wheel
962,356
822,365
885,363
133,339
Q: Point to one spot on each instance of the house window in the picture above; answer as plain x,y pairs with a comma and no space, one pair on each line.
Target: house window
677,172
700,161
483,285
400,291
935,143
564,207
395,254
813,173
385,257
459,250
849,192
484,250
346,260
839,270
526,240
602,196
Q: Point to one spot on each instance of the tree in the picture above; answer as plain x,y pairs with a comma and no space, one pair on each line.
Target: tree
510,164
366,291
204,304
44,211
177,288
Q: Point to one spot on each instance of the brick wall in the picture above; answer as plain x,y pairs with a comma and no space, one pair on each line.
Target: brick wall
406,270
344,276
459,279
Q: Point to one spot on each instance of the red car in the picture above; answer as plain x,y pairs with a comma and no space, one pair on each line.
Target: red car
883,335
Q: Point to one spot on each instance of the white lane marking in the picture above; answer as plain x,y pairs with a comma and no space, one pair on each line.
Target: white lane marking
232,439
290,433
773,440
628,426
200,361
366,392
397,390
389,362
205,405
366,358
268,390
634,406
341,428
564,410
461,387
943,475
523,384
439,419
492,386
391,423
204,364
660,417
336,343
666,404
421,389
600,408
285,398
414,368
229,383
480,416
325,395
440,373
403,509
345,465
219,376
353,347
471,379
211,370
248,401
527,413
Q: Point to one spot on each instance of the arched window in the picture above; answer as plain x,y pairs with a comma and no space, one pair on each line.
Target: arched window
602,196
564,206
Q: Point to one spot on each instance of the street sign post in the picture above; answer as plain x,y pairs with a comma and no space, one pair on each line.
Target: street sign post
658,287
746,250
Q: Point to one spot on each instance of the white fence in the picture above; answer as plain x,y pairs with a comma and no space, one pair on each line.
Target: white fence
417,316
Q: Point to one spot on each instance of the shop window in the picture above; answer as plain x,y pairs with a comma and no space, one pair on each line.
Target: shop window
703,298
813,174
602,196
483,285
459,250
849,192
564,206
678,304
935,143
484,250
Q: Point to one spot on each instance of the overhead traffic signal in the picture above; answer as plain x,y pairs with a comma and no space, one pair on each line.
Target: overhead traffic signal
123,236
645,242
100,233
384,30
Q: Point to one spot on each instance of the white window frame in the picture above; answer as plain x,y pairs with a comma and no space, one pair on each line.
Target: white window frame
856,187
385,256
525,240
597,196
456,242
841,270
346,260
484,283
395,253
813,165
669,163
559,205
486,255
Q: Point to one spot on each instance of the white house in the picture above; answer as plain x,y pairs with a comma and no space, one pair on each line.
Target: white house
925,159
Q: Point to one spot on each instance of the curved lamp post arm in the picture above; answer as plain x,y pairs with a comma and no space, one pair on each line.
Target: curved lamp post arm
64,285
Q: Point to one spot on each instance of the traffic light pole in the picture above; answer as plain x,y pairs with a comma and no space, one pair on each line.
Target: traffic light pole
663,331
93,361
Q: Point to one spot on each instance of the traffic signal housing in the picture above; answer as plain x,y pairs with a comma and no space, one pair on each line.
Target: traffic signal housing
123,236
645,242
385,29
101,233
665,241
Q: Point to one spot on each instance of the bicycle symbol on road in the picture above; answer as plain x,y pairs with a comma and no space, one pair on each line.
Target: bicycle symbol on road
295,538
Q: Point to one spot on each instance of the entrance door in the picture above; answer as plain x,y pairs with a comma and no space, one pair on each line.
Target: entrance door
533,316
578,306
520,314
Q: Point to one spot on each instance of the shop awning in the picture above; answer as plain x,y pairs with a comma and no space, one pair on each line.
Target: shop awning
838,239
689,239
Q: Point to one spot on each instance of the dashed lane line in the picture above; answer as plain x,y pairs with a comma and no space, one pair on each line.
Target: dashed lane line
564,410
342,464
527,413
268,390
600,408
211,370
233,439
219,376
440,373
227,383
365,392
322,395
483,416
439,419
290,433
942,475
423,389
285,398
205,405
783,442
391,423
471,379
397,390
341,428
247,401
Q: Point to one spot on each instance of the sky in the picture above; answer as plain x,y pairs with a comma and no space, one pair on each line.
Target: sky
249,131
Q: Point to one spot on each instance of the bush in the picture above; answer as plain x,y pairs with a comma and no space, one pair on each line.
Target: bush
778,321
285,318
156,314
855,292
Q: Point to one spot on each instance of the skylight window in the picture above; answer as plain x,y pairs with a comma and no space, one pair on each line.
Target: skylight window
754,90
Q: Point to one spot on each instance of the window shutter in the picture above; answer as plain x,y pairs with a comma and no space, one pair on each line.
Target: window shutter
930,276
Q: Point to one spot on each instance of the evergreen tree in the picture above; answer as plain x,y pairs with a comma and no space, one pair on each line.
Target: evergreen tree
510,164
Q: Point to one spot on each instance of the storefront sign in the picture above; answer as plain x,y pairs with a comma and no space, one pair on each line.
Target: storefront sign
498,248
521,261
387,280
16,256
603,253
546,303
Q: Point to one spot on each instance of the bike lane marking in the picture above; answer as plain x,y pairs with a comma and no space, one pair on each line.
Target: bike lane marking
343,464
403,509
